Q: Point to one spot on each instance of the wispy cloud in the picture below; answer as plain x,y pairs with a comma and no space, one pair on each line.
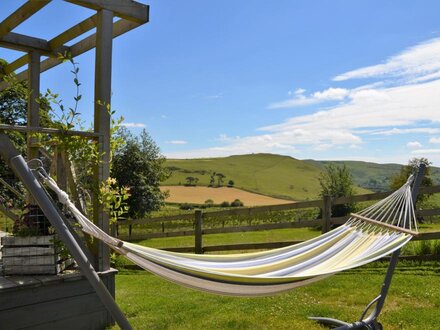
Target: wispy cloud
414,145
426,151
177,142
300,99
214,96
434,140
396,131
417,64
134,125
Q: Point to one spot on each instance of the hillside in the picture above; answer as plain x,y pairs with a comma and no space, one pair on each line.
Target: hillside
268,174
373,176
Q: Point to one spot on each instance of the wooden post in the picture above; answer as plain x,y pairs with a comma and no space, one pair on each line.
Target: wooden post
33,110
129,231
198,232
326,213
61,168
33,113
103,68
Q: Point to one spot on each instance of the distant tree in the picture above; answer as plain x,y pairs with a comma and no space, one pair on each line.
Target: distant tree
337,181
399,179
225,204
220,177
230,183
186,206
237,203
191,181
139,165
212,179
209,203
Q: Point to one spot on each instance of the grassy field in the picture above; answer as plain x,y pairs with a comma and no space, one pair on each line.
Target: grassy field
198,195
267,174
413,302
153,303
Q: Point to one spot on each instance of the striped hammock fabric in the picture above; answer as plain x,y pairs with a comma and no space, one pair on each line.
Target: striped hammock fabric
367,236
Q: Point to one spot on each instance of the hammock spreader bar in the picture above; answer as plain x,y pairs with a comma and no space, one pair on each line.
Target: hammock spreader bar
375,222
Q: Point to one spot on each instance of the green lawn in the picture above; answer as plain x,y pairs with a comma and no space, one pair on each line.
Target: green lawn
413,302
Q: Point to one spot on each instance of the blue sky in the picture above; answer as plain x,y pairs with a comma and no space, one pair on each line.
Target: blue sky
353,80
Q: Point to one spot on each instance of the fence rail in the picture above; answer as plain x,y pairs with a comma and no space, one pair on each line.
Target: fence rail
325,222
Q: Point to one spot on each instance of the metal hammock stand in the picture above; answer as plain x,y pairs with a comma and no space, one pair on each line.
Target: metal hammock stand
371,322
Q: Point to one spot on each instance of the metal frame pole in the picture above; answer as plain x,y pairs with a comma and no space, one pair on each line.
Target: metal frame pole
22,170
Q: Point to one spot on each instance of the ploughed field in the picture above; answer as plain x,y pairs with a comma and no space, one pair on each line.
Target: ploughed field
198,195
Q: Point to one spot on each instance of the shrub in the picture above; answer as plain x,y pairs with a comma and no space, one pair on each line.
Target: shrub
209,203
225,204
237,203
186,206
230,183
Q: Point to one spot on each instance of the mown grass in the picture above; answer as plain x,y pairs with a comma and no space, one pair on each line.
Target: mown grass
413,301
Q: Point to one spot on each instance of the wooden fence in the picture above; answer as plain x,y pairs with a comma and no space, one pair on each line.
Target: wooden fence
197,218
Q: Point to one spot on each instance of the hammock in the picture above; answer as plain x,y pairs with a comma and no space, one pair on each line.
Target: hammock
367,236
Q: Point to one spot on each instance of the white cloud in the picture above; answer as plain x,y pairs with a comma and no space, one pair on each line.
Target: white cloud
214,96
395,131
426,151
330,94
417,64
434,140
178,142
133,125
414,145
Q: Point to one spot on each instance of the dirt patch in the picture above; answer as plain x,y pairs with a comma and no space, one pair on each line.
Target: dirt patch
198,195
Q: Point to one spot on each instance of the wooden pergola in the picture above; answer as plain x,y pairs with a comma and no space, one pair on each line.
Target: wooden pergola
130,15
41,55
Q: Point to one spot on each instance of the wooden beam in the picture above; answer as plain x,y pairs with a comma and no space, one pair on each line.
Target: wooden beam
119,27
127,9
26,43
11,188
90,135
74,32
57,42
11,215
102,122
20,15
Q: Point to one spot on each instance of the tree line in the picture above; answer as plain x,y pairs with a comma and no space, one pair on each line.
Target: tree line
216,179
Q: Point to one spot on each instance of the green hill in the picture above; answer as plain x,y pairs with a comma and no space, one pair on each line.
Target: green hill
268,174
373,176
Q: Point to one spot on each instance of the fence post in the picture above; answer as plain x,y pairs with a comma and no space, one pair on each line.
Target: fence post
326,214
129,231
198,232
